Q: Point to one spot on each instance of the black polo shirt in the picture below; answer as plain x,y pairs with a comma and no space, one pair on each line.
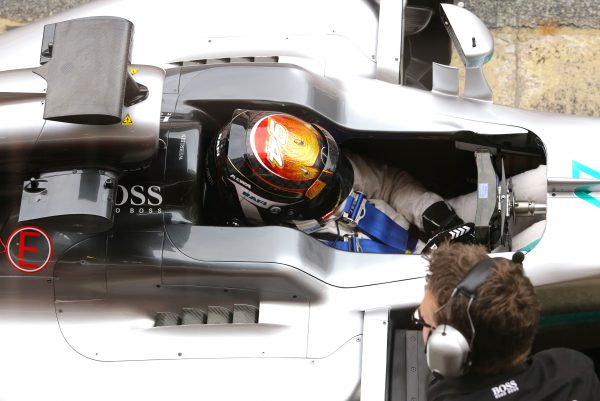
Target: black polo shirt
555,374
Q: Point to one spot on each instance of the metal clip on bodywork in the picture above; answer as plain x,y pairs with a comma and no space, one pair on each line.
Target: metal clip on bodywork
354,212
353,243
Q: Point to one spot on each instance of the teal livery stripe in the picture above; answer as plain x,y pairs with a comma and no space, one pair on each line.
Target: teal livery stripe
568,319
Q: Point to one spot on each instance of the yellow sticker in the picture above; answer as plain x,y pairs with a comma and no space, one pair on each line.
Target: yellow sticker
127,120
133,71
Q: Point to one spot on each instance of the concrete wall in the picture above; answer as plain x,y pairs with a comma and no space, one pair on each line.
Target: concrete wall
29,10
547,54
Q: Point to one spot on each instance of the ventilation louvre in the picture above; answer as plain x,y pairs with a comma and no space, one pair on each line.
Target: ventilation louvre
228,60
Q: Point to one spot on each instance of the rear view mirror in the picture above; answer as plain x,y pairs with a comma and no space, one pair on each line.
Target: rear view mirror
472,40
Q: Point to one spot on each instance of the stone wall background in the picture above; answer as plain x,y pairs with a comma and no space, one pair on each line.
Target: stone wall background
547,54
28,10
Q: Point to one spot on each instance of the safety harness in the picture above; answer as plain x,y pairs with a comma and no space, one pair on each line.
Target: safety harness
385,235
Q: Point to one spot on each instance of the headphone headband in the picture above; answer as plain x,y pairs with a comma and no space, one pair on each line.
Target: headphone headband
475,277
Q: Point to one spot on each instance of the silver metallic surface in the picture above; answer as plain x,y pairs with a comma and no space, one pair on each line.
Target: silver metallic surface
22,95
33,321
472,40
329,42
505,202
374,359
124,143
445,79
83,197
390,40
323,314
298,263
566,186
350,103
28,138
476,87
529,208
447,351
486,188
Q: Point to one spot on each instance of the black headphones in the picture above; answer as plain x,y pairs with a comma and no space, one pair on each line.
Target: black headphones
448,352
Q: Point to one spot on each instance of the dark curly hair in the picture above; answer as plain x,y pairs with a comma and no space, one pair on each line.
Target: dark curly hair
505,313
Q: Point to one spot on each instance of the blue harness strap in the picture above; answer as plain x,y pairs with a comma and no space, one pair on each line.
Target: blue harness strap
386,236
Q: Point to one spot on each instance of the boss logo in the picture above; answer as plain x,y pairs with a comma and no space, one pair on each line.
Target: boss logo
505,389
146,199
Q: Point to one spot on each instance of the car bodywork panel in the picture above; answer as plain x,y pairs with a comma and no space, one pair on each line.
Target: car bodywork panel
325,318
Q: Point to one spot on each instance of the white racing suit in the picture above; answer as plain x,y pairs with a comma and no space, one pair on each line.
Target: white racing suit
403,199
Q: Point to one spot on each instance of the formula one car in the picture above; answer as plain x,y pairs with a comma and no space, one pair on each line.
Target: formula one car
114,283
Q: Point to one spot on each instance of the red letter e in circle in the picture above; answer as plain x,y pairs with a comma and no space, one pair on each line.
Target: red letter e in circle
22,247
30,246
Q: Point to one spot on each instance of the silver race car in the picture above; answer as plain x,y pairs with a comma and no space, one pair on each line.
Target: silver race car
115,283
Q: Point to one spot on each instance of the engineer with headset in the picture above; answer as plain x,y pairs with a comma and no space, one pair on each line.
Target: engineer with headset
479,317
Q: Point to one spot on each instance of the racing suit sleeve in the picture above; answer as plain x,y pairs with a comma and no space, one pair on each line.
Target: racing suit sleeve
399,189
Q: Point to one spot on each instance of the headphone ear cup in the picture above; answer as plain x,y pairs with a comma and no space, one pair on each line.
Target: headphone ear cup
447,352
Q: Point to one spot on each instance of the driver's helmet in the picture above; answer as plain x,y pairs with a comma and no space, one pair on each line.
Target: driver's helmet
270,167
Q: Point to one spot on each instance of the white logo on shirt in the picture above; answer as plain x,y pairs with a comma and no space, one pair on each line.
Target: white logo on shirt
505,389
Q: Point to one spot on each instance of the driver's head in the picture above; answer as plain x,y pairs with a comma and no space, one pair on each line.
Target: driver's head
272,167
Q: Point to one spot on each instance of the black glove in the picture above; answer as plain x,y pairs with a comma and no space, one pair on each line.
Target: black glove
440,223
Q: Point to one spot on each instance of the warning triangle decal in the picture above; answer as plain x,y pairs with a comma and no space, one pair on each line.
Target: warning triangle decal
127,120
